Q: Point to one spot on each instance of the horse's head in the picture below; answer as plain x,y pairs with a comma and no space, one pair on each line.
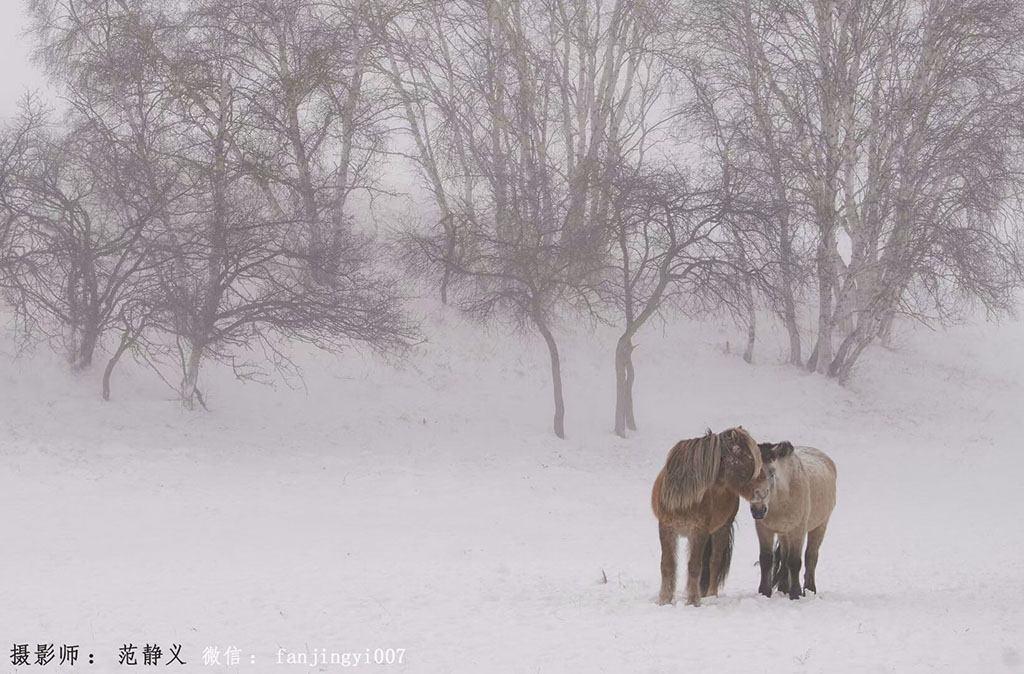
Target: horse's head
762,487
741,460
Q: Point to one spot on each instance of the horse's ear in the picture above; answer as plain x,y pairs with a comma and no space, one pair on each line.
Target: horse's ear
767,451
784,448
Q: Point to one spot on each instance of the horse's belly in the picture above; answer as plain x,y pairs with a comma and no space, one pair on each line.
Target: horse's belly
821,511
710,515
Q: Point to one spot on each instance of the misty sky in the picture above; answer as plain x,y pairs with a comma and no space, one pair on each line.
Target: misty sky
16,73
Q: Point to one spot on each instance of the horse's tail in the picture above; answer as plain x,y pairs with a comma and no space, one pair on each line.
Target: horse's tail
777,565
705,568
723,568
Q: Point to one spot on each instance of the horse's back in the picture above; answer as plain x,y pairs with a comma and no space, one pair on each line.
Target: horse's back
815,459
820,470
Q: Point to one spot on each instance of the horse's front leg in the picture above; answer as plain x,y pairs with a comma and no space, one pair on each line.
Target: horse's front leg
697,540
766,541
669,539
792,548
780,573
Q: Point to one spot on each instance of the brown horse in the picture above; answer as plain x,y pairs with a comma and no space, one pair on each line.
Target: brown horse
696,495
792,498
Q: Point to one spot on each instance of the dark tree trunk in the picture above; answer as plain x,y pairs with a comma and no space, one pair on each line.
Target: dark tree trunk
844,372
849,351
125,344
556,377
86,347
795,355
812,362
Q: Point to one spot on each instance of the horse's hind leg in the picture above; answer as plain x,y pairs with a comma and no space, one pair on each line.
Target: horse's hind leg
669,541
814,538
697,542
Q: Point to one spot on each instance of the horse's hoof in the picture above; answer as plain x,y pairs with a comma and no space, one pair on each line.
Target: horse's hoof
693,602
795,595
766,593
664,601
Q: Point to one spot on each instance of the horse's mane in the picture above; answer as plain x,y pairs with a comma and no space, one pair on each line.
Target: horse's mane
692,467
690,470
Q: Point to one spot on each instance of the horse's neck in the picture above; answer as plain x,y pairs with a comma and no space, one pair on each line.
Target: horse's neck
787,470
721,490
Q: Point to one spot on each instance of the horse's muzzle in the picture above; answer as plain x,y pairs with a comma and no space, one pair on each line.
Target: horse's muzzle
758,511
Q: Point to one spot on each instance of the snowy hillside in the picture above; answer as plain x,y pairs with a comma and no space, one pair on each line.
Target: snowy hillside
425,505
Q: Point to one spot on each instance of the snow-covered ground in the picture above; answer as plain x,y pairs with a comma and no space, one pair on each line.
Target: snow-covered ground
425,506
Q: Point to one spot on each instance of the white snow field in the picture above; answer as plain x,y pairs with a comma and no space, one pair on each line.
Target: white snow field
425,505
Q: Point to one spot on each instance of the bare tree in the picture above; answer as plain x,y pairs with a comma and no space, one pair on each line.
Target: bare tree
884,129
83,257
726,55
926,192
674,249
511,106
534,126
254,240
262,261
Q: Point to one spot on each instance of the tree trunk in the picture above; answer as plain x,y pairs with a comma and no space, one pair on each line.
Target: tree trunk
823,348
795,348
624,377
556,377
630,377
846,369
885,332
812,361
86,347
449,256
421,137
191,378
748,353
841,357
788,301
851,348
848,353
126,342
